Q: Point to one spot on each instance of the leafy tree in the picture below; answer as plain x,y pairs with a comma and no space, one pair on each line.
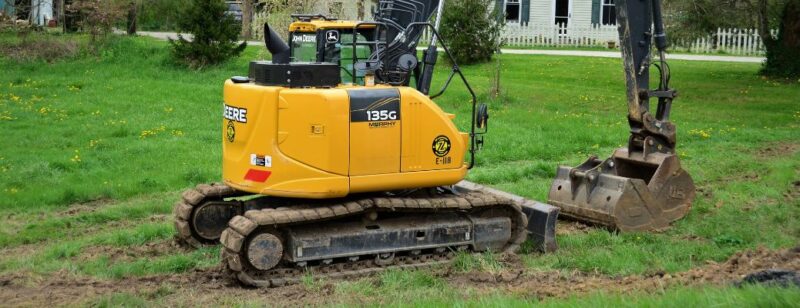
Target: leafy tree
694,18
471,30
97,17
215,35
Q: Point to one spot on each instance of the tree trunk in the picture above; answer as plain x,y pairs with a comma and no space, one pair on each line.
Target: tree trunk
247,19
61,18
133,12
763,23
783,53
790,26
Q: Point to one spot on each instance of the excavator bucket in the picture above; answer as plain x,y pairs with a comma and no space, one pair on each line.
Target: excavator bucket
625,192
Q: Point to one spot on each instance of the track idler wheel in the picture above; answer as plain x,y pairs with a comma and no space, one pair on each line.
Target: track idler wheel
211,218
264,251
202,214
625,192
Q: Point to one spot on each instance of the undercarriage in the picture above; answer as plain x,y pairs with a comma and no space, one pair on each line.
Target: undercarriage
270,241
269,247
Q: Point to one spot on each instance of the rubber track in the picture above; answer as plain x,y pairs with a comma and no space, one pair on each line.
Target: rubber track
240,227
190,199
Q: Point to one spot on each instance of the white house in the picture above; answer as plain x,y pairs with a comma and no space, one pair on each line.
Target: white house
567,12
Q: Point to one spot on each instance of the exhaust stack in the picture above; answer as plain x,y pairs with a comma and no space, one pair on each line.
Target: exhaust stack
277,47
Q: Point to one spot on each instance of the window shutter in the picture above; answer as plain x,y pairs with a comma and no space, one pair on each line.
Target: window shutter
595,12
526,12
498,7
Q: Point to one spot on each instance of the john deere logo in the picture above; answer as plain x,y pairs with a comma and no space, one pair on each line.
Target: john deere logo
332,36
231,131
441,146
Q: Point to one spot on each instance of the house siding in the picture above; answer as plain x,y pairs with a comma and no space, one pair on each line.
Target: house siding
541,11
582,12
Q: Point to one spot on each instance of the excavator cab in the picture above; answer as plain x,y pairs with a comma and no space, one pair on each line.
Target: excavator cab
322,39
642,186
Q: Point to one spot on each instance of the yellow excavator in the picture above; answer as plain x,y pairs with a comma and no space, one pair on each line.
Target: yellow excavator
336,160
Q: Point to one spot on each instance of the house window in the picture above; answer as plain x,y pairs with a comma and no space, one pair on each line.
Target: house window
608,13
512,10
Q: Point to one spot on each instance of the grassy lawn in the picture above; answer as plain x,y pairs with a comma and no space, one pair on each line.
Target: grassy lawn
96,150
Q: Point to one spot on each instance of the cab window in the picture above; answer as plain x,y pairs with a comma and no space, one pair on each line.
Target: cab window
304,47
337,47
341,52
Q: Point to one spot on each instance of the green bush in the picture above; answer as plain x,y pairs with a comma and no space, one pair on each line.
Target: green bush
215,35
471,30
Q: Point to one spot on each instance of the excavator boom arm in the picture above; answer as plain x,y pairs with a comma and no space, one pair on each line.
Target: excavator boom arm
641,25
642,186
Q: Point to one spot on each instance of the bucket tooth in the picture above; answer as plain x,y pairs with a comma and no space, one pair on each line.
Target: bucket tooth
625,192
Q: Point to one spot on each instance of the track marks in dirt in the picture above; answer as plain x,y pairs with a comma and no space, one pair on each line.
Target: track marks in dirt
130,253
65,288
557,284
86,207
778,149
210,286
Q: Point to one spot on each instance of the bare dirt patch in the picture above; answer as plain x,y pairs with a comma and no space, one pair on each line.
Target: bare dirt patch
567,227
793,193
211,287
778,149
85,207
130,253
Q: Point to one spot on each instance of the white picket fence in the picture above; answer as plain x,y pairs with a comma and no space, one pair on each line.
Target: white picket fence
745,42
558,35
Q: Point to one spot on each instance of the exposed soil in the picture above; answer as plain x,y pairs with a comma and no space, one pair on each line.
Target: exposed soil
793,193
130,253
85,207
778,149
567,227
209,287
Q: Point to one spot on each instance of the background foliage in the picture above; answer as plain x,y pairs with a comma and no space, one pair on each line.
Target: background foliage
470,29
215,35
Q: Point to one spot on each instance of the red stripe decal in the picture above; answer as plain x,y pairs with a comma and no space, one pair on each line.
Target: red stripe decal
257,175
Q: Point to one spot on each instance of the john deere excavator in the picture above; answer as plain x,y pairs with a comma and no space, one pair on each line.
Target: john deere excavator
337,161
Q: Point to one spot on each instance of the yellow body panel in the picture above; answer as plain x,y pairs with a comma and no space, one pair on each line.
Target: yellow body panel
423,122
312,126
313,25
327,143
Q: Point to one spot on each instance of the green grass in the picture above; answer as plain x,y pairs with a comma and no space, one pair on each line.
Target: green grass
751,296
96,149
